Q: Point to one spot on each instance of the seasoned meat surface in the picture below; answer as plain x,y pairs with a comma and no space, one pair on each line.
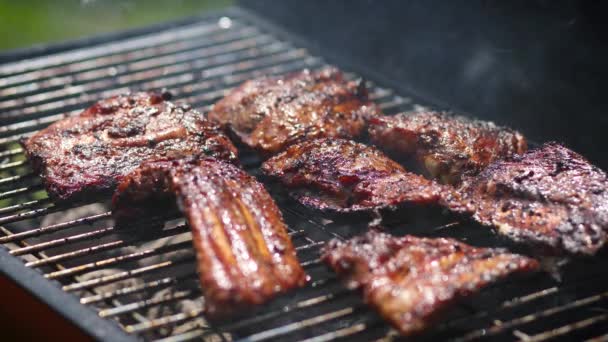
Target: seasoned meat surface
245,256
550,196
90,153
411,281
342,175
270,113
445,146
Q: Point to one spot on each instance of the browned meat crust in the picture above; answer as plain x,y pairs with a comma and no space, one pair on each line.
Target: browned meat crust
245,256
445,146
270,113
342,175
550,196
411,281
90,153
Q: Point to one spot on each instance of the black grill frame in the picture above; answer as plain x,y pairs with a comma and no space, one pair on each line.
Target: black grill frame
68,305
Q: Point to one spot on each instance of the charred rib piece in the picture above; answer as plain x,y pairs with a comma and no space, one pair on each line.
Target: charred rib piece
411,281
445,146
342,175
244,254
550,196
270,113
90,153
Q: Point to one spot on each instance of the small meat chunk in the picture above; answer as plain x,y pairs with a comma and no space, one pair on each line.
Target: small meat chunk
445,146
411,281
343,175
550,196
271,113
89,154
245,256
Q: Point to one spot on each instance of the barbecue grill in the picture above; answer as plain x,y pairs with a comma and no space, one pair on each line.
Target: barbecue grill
124,286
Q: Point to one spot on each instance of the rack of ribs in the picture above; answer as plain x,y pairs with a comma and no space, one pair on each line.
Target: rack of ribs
411,281
244,254
343,175
445,146
270,113
550,196
89,154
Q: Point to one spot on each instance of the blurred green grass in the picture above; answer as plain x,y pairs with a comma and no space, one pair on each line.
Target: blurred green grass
27,22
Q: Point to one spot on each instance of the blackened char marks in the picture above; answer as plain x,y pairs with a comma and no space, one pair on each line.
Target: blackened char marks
445,146
550,196
90,153
270,113
411,281
245,256
342,175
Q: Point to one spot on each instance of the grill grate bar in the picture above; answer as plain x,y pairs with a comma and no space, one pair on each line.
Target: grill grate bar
176,318
159,67
19,191
108,246
122,258
128,308
80,252
36,124
138,80
25,205
62,241
16,179
34,213
602,338
82,71
89,53
532,317
12,165
55,227
568,328
368,321
125,275
196,334
152,63
156,284
33,124
257,319
10,153
156,323
75,105
310,246
14,139
288,328
117,260
31,214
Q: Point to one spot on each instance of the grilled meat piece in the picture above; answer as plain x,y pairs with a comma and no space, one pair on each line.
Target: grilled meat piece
411,281
245,256
90,153
445,146
270,113
550,196
342,175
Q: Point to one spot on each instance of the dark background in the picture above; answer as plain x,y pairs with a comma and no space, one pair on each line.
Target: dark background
538,66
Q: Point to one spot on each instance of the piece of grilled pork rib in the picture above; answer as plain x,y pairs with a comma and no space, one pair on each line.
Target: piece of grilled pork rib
244,253
445,146
550,196
89,154
411,281
270,113
343,175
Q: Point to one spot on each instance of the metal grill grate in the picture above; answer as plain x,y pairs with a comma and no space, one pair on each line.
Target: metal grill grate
147,284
